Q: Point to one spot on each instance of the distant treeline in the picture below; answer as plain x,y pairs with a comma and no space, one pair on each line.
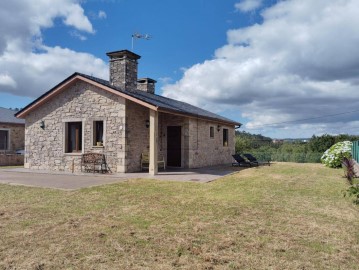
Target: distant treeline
303,151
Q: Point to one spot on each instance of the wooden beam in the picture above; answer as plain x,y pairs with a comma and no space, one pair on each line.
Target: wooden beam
153,170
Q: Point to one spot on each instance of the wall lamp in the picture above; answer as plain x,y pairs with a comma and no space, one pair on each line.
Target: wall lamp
42,124
218,128
147,123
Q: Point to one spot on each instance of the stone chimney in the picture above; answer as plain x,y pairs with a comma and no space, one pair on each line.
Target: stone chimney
146,85
123,69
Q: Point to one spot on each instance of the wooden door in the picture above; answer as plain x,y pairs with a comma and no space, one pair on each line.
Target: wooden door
174,146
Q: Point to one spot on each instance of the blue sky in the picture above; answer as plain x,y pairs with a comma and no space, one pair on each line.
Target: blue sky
183,32
255,61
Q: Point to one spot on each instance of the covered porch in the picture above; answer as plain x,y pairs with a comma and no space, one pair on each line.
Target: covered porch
180,140
168,141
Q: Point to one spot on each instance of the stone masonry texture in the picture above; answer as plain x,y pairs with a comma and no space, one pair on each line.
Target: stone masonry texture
146,85
45,148
17,135
123,73
17,142
125,133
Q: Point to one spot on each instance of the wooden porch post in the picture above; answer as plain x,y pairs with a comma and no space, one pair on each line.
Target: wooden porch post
153,142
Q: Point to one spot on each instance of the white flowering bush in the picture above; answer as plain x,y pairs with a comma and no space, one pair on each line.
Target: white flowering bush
333,157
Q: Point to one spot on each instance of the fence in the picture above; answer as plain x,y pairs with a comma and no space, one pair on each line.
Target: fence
355,150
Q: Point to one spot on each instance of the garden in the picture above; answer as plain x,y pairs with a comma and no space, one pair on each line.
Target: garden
283,216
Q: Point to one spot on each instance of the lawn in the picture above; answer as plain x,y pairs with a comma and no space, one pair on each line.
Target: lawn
286,216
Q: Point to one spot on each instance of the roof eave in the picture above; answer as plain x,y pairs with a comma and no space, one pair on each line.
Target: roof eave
76,76
191,115
67,82
23,112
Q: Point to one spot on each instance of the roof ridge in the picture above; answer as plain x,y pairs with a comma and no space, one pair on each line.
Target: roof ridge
165,104
151,97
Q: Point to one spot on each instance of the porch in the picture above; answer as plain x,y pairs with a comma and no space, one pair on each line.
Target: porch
183,142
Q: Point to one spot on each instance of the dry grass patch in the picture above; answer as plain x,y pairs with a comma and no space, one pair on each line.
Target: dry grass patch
286,216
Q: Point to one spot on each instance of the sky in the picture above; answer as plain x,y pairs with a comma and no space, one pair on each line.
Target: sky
283,68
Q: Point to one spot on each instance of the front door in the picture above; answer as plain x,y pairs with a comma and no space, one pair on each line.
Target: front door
174,146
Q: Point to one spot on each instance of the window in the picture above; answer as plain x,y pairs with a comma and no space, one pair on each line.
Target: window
73,137
4,139
98,133
211,132
225,137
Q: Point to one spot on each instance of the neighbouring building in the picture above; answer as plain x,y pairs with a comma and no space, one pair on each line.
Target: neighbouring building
12,131
12,138
121,118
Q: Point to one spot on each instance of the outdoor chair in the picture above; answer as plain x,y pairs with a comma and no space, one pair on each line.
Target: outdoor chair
253,160
240,161
145,161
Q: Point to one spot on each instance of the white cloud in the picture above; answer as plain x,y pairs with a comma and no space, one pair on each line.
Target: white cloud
74,16
165,80
76,34
6,80
301,62
31,67
102,14
248,5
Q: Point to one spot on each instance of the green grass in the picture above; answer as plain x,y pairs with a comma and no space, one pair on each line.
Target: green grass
11,167
286,216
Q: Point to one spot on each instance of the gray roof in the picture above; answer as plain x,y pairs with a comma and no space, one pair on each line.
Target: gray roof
7,116
164,102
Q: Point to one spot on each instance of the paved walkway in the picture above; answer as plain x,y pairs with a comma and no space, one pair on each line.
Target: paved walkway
69,181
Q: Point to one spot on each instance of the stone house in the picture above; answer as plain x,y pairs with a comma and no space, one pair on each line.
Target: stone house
121,118
12,131
12,138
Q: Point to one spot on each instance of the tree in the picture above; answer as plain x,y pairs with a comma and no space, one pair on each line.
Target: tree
243,144
321,143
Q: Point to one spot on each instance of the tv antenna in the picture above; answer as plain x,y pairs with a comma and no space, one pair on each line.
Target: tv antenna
139,36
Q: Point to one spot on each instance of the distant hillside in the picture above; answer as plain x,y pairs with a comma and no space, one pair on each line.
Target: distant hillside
253,137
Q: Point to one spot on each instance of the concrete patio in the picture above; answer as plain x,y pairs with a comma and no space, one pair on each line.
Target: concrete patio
69,181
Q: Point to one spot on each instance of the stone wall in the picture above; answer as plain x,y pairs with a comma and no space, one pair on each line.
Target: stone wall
17,135
11,160
198,148
137,135
123,69
45,148
207,151
146,85
125,133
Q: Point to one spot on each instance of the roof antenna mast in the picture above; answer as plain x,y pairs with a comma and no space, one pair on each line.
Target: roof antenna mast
139,36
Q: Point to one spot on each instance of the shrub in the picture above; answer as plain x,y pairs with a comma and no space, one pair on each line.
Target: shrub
353,190
349,172
333,157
